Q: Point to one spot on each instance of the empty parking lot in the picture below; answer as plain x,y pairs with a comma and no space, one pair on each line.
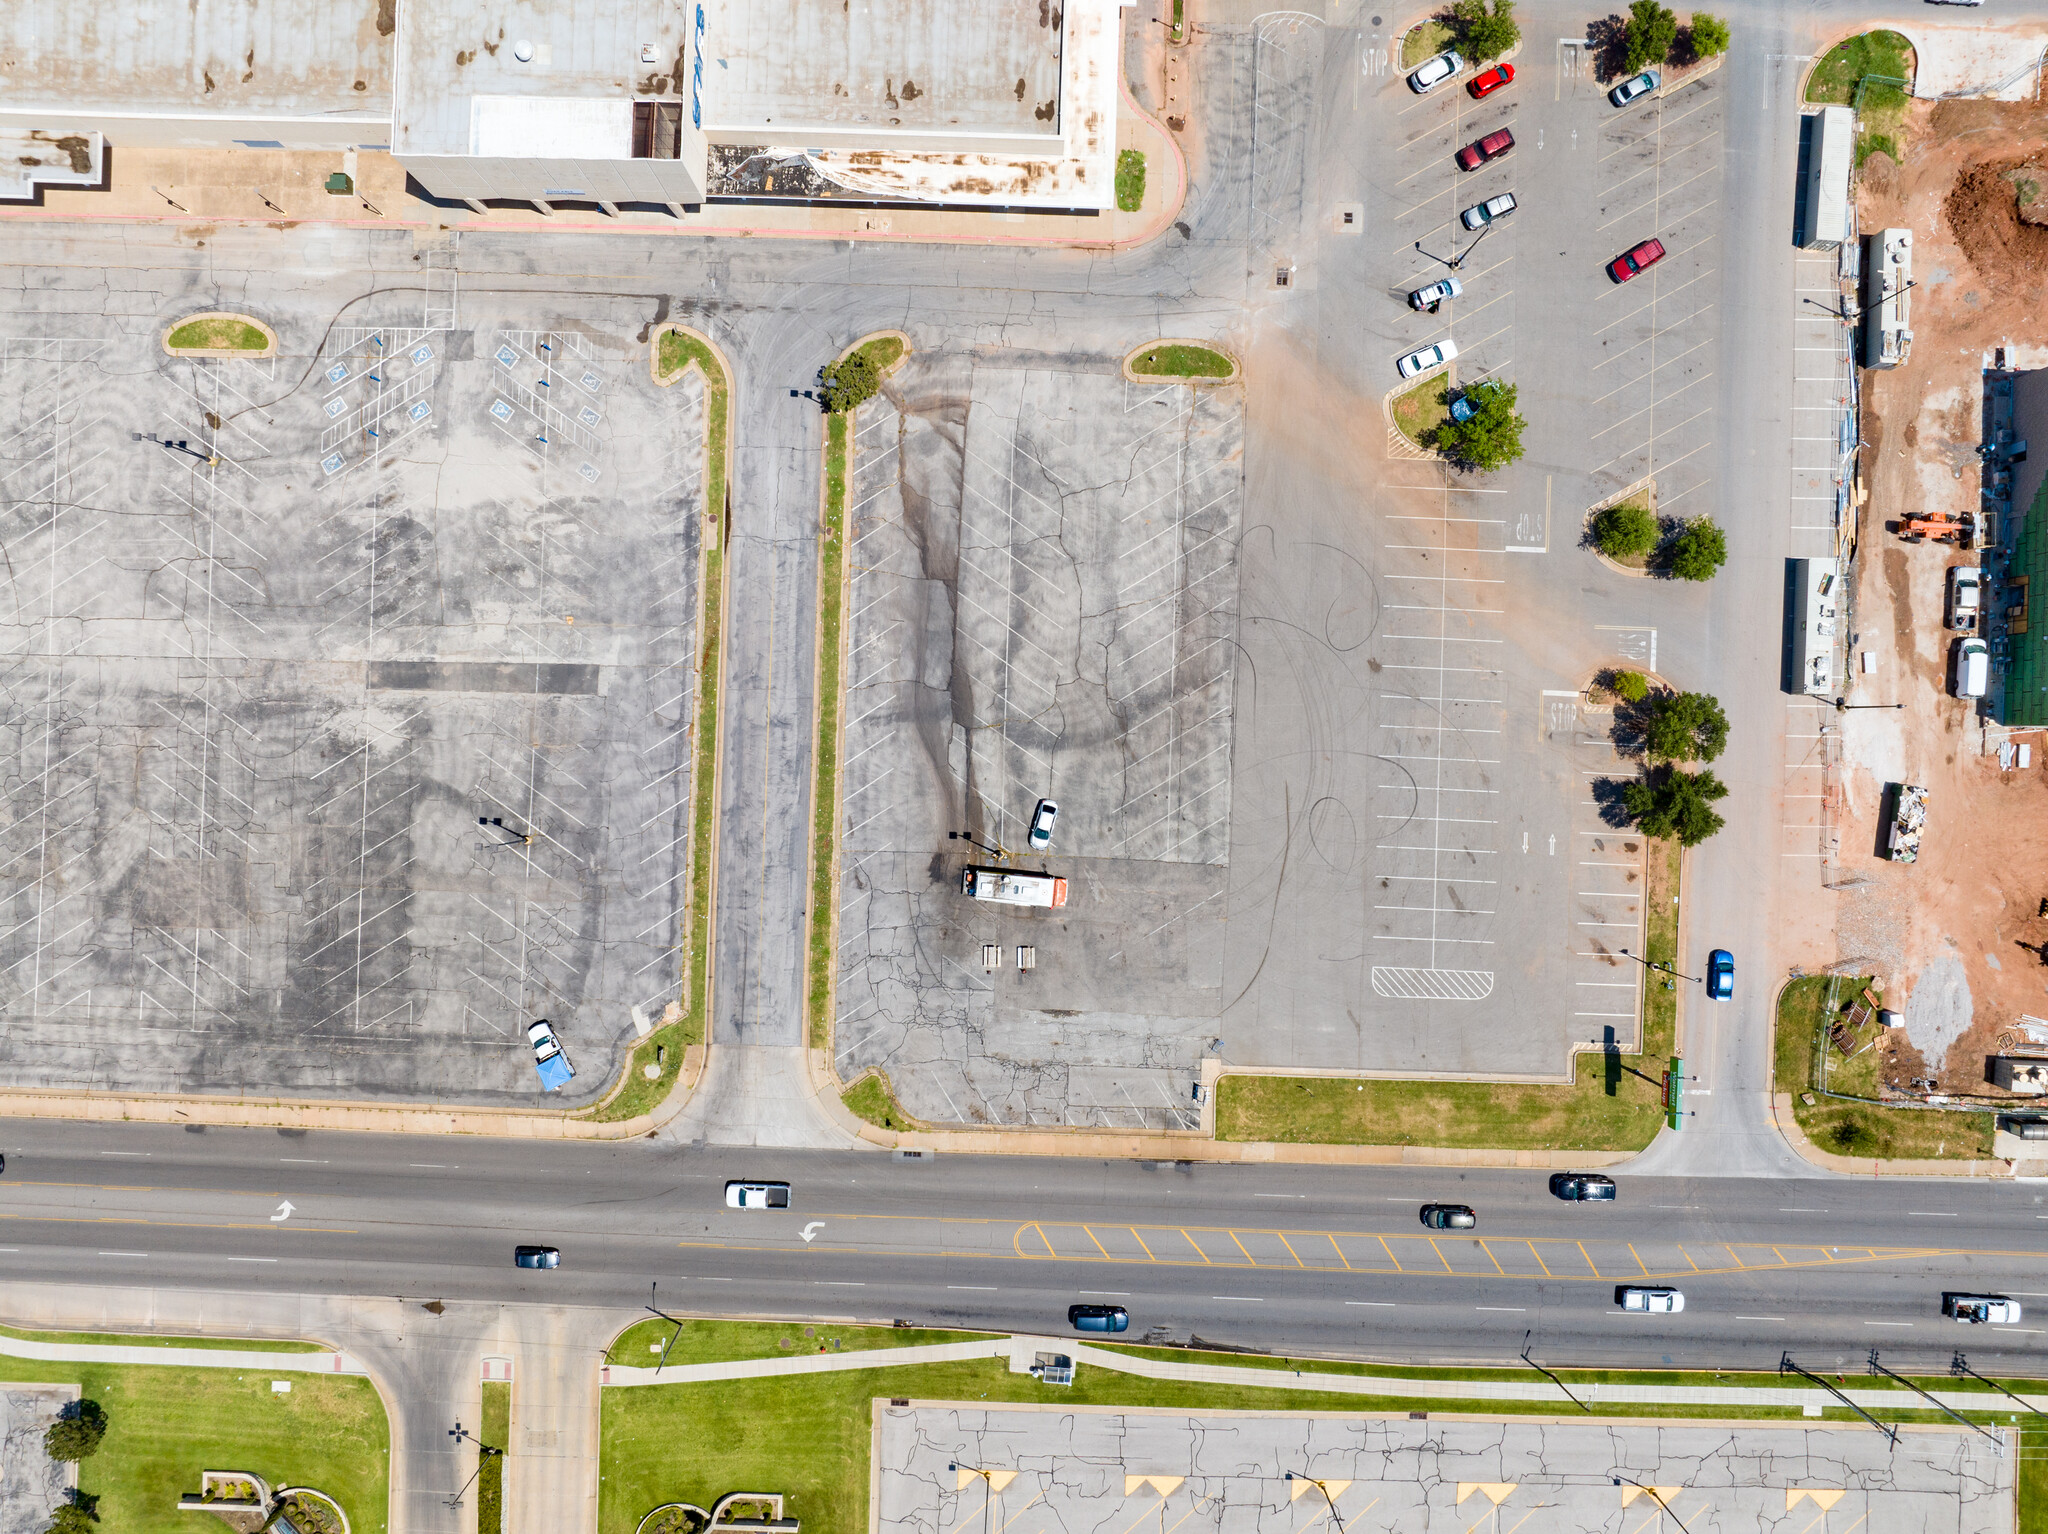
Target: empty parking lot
347,697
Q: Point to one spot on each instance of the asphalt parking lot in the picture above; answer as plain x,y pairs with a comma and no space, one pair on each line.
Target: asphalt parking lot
1043,604
1037,1469
336,761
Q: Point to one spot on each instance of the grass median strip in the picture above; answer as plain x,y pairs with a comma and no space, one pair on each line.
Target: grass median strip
159,1340
1614,1103
663,1047
708,1342
217,333
880,353
1178,360
495,1433
1419,412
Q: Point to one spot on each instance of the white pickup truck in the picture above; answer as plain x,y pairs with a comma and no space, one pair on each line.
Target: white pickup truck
1965,598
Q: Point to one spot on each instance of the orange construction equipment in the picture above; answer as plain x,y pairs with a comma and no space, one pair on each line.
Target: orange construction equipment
1940,527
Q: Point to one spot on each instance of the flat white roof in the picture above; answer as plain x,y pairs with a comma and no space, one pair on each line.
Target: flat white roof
550,128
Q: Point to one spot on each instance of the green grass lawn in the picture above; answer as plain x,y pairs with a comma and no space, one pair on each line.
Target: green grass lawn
872,1100
808,1437
1869,53
1858,1129
2033,1475
166,1425
704,1342
221,333
1419,412
1615,1103
495,1433
1181,362
1130,181
1424,41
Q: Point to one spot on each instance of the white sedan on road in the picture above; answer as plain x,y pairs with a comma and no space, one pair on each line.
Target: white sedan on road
1655,1302
1429,357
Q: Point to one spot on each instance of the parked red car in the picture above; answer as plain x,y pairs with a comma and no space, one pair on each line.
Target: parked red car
1647,254
1491,81
1492,147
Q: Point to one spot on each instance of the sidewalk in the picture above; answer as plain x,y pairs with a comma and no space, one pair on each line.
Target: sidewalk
278,188
181,1358
1802,1398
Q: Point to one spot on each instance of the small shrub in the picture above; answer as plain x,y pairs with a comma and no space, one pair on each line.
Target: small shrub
850,382
1709,35
1699,550
1629,686
1652,30
1130,180
1627,531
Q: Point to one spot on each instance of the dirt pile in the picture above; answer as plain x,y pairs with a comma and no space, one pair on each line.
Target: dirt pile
1983,213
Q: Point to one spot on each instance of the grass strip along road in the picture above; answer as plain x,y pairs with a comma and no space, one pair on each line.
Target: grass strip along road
1615,1102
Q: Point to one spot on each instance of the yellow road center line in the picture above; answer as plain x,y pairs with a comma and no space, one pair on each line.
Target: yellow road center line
1138,1237
1503,1272
1332,1239
1291,1252
1248,1257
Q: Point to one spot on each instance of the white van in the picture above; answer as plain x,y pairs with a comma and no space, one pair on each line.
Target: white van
1973,669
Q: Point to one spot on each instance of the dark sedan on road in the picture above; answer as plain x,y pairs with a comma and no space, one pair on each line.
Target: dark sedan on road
1098,1318
1449,1216
1720,974
1629,262
536,1257
1583,1187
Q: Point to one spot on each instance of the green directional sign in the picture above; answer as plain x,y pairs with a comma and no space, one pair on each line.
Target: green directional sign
1674,1093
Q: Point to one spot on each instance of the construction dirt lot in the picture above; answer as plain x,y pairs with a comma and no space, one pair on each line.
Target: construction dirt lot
1958,934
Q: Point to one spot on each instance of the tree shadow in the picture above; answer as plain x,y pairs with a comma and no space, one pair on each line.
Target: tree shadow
1609,37
1607,800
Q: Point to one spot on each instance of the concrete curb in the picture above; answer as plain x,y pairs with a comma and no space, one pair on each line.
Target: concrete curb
1170,205
1407,386
1586,528
1834,40
270,336
1678,80
1236,374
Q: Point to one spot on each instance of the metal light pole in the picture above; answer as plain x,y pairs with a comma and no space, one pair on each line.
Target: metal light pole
1662,967
1332,1501
969,837
1843,705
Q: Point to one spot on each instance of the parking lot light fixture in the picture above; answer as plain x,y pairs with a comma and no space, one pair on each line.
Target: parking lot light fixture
1325,1490
1662,966
1843,705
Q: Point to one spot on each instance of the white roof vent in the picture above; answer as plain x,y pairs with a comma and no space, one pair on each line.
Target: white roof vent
523,51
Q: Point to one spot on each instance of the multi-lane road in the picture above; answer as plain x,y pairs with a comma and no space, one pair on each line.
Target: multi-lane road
1300,1259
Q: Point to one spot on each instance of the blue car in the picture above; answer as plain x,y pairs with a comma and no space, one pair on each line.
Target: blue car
1720,974
1466,405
